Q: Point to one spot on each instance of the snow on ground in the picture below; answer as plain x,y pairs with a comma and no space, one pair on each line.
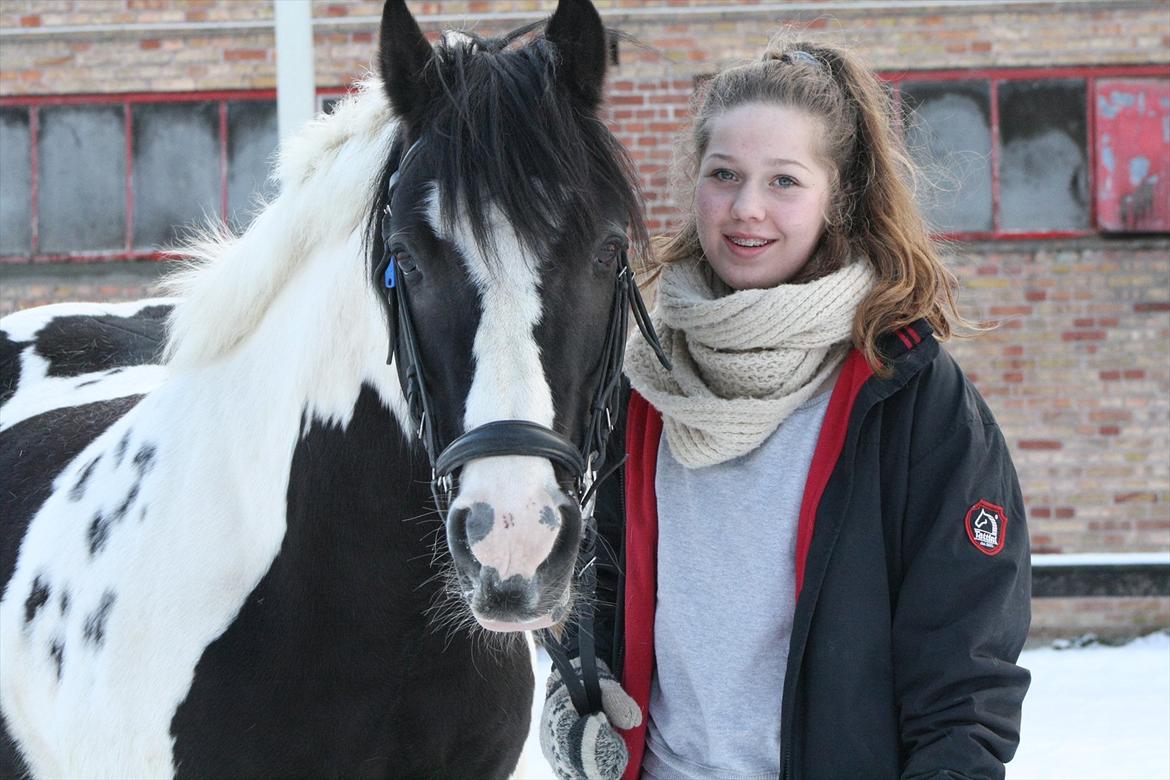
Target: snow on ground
1094,712
1097,712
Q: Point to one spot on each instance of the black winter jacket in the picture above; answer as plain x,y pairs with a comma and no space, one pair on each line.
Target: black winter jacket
913,578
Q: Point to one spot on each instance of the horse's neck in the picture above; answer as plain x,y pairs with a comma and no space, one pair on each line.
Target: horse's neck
322,338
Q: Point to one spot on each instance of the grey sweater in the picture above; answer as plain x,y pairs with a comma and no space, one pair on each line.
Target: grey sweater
726,579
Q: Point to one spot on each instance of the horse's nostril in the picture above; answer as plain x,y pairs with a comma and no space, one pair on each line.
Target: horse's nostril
507,596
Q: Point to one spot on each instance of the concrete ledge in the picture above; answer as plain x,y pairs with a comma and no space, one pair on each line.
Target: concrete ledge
1127,575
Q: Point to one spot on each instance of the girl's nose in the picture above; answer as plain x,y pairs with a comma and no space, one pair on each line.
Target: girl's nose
748,205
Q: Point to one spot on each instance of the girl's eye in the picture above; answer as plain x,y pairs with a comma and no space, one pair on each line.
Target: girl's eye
784,182
722,174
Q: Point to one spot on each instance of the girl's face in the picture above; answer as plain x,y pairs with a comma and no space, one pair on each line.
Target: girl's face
762,194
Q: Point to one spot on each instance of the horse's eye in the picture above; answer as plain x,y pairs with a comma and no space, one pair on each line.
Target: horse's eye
405,261
608,254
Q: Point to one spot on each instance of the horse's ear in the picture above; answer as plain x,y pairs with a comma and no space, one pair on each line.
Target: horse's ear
403,56
579,36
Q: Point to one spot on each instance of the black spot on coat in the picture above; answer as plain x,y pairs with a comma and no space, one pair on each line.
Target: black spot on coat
98,534
37,597
57,654
78,490
144,459
95,625
120,451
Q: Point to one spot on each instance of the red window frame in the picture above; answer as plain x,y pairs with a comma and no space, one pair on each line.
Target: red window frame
993,76
34,103
997,76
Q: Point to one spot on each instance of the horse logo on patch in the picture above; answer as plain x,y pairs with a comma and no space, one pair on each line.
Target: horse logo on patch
986,525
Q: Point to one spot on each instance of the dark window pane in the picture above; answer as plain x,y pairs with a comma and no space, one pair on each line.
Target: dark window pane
81,196
176,170
15,183
949,134
252,137
1044,179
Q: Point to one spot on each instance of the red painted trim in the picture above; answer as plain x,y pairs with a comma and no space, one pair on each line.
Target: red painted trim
96,98
955,74
1016,235
223,159
996,218
107,257
1091,142
643,434
137,97
34,157
854,374
128,244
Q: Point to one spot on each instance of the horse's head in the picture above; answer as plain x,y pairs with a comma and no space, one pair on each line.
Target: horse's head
501,228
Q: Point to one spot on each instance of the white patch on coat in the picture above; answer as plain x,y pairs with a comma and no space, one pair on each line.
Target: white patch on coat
38,393
300,328
508,384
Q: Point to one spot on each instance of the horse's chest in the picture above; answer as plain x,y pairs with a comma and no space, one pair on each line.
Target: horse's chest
339,663
344,702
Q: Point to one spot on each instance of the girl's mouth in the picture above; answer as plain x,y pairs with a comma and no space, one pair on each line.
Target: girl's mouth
747,246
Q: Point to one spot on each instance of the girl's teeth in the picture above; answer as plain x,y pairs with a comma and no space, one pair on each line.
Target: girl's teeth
749,242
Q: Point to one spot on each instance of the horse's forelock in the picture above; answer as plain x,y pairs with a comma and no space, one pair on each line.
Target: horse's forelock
503,138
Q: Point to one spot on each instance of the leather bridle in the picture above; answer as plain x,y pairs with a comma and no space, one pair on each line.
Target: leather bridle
521,437
509,437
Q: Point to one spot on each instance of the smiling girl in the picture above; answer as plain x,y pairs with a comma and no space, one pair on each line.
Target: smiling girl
815,564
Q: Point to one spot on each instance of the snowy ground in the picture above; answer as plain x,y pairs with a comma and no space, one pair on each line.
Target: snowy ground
1095,712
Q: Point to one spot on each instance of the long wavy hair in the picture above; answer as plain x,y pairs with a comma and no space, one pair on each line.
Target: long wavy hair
872,212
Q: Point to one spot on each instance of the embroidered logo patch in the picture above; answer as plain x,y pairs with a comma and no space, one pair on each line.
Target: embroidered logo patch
986,526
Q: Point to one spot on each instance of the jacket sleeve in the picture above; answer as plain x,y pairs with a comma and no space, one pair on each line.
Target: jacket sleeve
963,604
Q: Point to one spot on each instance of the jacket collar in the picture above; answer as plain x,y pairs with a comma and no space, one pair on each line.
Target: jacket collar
907,351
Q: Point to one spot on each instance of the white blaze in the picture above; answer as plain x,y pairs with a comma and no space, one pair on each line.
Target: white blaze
508,384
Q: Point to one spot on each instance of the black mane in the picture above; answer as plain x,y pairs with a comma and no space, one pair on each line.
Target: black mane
502,132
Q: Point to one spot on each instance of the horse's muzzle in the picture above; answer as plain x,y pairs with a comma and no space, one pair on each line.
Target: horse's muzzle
495,553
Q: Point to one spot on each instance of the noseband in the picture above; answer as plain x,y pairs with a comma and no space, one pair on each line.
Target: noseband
509,437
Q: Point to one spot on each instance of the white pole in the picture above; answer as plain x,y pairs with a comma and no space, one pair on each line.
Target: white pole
296,95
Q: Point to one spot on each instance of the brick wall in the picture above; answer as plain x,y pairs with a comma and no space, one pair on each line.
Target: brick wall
1078,373
84,46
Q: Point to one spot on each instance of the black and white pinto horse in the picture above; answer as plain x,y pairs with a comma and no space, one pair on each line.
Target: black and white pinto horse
227,563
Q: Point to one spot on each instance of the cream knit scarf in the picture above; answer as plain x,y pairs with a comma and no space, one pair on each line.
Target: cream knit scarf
744,360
